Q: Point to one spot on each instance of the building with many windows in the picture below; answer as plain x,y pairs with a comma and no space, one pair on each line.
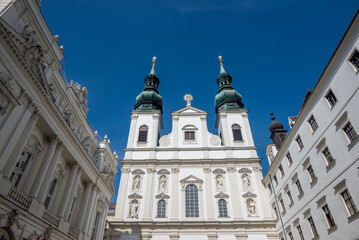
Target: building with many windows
313,175
191,184
56,176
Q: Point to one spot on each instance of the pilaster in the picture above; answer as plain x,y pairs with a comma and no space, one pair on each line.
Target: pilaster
233,186
84,204
209,193
131,135
148,199
174,194
120,204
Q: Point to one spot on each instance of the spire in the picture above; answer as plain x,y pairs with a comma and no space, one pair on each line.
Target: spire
149,99
227,97
278,133
153,66
221,68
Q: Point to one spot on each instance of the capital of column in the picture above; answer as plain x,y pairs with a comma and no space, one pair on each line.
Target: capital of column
151,170
175,118
32,107
203,117
53,140
223,115
175,170
134,116
231,169
207,170
125,170
244,115
155,116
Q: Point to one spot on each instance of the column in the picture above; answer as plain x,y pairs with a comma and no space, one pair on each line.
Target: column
81,218
121,198
262,192
174,195
175,136
200,201
233,186
43,169
65,196
209,193
9,167
72,193
131,135
102,224
148,198
12,129
50,173
91,209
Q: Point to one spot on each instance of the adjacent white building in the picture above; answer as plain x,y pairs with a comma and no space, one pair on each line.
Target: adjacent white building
191,184
56,176
313,176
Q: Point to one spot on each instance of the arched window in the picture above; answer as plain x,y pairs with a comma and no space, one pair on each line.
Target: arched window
222,207
237,134
161,209
192,201
142,134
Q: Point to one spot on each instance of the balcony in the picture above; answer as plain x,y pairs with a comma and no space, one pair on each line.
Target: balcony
19,198
50,218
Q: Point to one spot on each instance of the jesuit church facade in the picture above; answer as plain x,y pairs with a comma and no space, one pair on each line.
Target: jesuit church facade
191,184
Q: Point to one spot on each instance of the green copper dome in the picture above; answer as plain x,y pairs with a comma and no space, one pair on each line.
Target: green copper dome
227,97
149,99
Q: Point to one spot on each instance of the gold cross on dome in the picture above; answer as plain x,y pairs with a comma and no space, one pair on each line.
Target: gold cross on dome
188,98
220,60
153,61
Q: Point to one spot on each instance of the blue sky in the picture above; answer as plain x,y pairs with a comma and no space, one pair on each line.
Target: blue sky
274,50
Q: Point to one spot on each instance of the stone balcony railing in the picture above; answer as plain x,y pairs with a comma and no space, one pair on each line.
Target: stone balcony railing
50,218
19,198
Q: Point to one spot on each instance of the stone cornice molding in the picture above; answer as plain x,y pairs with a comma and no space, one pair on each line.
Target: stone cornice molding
191,179
244,170
163,171
188,162
138,171
219,171
135,196
249,195
221,195
162,196
219,148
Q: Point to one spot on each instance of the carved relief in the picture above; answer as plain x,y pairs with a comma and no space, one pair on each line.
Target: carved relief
165,141
81,95
215,140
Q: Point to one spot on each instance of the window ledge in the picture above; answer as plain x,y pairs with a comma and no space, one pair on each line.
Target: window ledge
238,141
190,142
332,229
315,238
224,217
350,146
353,217
291,205
330,165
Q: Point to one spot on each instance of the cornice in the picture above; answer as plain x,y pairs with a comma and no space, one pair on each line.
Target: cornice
171,162
164,149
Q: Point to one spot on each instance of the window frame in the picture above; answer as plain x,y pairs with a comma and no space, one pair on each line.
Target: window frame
328,157
328,216
289,159
239,131
162,207
331,98
312,226
355,210
355,68
311,173
224,212
299,142
313,123
299,187
281,170
300,232
351,135
141,137
191,201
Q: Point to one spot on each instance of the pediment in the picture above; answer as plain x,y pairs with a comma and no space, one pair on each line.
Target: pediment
218,171
191,179
189,110
221,195
249,195
163,171
135,196
162,196
245,170
138,171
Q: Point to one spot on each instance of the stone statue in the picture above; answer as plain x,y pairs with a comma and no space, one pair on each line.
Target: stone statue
163,182
246,181
220,182
251,208
133,209
137,183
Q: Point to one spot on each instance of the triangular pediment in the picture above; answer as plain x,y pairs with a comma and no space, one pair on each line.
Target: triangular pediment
135,196
249,195
191,179
189,110
221,195
162,196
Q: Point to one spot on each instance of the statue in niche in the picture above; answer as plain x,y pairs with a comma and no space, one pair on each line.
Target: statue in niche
251,207
163,183
220,182
136,183
133,209
246,181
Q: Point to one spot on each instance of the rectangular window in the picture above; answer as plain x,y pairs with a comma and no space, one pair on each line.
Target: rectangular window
20,167
50,192
299,187
290,198
281,170
331,98
299,142
275,180
289,158
328,156
300,232
290,234
311,173
282,205
189,135
349,202
312,227
354,60
270,188
328,216
313,123
350,132
276,212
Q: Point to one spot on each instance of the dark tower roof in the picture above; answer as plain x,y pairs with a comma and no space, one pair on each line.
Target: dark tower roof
227,97
149,99
275,125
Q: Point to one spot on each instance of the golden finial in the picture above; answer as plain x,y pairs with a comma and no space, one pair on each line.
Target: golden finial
188,98
220,60
153,61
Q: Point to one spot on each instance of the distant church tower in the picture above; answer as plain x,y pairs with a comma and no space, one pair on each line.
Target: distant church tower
191,184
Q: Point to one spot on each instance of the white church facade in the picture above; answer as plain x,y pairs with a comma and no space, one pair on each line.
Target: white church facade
191,184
